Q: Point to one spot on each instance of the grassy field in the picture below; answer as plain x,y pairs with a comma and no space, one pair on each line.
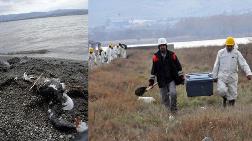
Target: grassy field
116,115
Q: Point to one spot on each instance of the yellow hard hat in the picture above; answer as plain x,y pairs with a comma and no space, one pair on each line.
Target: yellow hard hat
111,45
230,41
91,50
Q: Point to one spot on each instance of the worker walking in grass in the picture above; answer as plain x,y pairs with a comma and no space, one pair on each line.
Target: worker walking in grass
123,52
91,58
118,51
102,56
97,57
167,69
110,53
225,71
115,51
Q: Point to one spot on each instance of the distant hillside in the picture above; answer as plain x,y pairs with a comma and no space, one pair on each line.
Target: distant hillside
184,29
33,15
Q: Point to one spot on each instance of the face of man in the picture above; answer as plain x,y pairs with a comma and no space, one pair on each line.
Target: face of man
229,48
162,48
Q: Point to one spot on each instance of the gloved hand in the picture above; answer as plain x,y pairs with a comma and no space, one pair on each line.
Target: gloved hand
182,77
151,82
249,77
215,80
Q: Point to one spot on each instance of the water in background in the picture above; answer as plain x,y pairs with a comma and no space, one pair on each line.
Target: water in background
63,37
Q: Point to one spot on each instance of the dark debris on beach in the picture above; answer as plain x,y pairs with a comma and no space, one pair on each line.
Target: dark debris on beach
23,113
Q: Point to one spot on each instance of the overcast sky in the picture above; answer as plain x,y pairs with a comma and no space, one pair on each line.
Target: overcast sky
26,6
102,10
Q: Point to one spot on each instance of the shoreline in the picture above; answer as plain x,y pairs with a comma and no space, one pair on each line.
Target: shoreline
46,57
2,56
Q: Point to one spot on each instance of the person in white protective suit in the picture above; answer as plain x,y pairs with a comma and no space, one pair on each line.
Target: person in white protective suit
110,53
91,58
115,52
123,52
225,71
118,51
97,57
102,56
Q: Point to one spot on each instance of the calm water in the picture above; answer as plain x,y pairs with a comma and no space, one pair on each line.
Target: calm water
64,37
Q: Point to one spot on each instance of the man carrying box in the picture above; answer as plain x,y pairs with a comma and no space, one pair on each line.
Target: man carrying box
167,69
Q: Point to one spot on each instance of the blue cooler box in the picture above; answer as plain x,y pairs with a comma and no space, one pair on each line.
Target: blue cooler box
199,84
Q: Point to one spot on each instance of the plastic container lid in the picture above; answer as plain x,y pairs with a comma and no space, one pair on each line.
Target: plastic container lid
198,76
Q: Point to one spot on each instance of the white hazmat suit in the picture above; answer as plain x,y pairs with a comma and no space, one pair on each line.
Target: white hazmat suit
226,71
115,52
123,53
103,57
110,54
118,52
91,60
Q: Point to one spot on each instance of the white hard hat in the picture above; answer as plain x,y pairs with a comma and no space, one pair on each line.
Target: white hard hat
162,41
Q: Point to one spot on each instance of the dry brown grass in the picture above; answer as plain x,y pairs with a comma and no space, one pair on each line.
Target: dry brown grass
115,114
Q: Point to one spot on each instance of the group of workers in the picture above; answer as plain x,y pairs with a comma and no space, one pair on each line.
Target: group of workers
99,56
167,71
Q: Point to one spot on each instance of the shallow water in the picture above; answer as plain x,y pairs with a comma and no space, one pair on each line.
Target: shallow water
64,37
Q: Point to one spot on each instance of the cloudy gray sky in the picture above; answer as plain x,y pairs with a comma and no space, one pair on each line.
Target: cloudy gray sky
102,10
26,6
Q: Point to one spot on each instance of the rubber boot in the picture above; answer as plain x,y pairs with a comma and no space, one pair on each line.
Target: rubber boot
174,104
231,102
224,101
